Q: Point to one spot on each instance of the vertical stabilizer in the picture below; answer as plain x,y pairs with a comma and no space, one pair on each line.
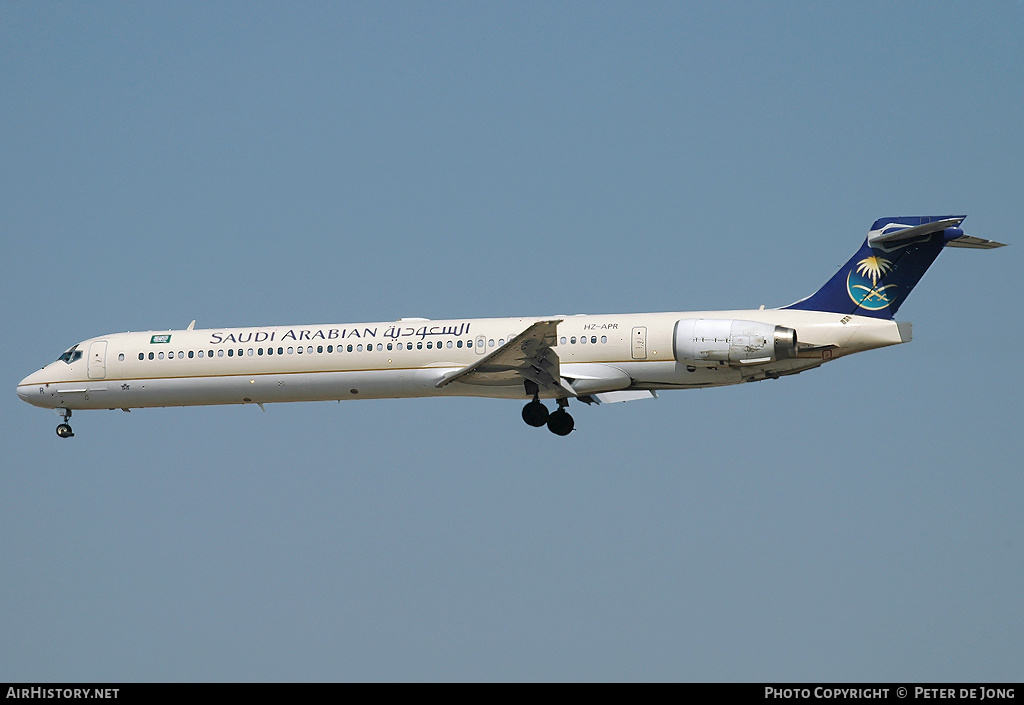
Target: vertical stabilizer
895,255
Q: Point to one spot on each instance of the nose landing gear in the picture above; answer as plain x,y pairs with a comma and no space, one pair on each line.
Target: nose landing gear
64,429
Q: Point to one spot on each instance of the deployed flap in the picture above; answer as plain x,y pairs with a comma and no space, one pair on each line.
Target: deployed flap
624,395
529,355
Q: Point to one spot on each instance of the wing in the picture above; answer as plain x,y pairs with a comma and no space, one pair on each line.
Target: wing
528,356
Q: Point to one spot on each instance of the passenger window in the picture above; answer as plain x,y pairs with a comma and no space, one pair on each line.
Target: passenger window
120,357
161,356
220,353
604,338
430,345
142,356
191,354
319,348
151,356
458,343
449,344
573,340
389,346
562,341
299,350
231,352
490,343
593,339
200,353
330,348
419,345
349,348
291,351
259,351
280,351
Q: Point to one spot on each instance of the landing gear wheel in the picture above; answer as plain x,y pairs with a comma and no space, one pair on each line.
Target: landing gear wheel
535,414
63,429
561,423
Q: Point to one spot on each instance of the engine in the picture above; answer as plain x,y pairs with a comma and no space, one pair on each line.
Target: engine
732,340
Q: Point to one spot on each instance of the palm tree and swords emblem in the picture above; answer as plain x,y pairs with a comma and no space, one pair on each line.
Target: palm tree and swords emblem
871,269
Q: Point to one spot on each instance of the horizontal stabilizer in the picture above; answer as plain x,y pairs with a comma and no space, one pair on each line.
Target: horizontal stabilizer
895,233
975,243
892,233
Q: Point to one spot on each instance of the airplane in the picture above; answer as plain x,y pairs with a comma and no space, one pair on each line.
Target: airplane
594,359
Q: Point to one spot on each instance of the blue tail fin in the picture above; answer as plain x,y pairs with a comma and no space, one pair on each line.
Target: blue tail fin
895,255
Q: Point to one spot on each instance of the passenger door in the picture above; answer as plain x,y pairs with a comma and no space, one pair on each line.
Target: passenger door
98,360
639,342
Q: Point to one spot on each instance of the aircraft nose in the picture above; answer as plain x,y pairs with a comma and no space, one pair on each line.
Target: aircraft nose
28,385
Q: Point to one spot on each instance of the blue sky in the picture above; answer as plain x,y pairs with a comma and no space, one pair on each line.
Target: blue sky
282,163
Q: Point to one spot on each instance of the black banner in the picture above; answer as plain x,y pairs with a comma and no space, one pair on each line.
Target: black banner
772,692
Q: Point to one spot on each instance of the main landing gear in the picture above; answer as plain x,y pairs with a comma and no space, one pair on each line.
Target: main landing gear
559,422
64,429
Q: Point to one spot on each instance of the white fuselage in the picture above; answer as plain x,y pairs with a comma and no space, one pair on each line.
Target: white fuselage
410,357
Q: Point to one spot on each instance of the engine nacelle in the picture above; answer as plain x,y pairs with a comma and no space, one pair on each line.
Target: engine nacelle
731,340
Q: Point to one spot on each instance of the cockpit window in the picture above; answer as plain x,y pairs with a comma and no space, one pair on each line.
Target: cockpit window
71,355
